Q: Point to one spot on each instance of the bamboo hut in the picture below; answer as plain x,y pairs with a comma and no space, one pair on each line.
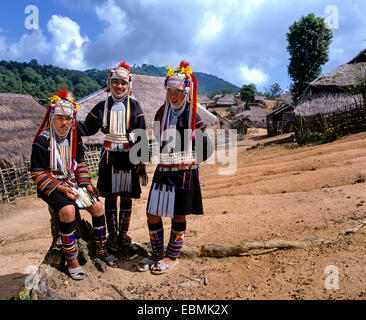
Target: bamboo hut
20,118
149,91
228,100
242,124
204,101
280,120
259,99
327,94
327,102
255,114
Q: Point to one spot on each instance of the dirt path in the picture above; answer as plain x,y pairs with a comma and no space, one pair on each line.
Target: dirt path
278,192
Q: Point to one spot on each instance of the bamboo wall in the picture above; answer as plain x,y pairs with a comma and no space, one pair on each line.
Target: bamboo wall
352,119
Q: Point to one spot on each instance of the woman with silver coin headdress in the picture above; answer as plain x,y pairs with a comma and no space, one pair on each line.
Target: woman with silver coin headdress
175,191
117,117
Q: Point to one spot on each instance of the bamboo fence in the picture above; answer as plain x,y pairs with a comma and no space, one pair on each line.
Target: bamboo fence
352,118
16,181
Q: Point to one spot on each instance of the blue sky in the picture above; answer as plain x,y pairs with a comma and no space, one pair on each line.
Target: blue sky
241,41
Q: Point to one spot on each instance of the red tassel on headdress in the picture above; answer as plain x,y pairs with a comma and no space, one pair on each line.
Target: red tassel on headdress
194,101
184,64
124,65
63,93
74,136
43,125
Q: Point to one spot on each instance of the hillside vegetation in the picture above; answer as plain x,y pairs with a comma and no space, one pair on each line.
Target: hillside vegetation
42,81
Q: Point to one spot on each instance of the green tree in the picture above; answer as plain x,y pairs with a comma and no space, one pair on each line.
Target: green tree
228,91
214,93
308,44
274,91
247,93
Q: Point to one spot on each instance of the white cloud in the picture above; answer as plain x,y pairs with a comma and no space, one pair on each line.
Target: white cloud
115,18
212,25
64,49
67,43
253,75
29,45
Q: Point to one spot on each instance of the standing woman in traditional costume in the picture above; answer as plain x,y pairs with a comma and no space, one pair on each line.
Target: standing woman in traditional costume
59,170
175,191
117,117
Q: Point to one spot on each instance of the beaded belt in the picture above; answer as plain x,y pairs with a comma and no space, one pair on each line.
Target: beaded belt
121,140
170,168
177,158
116,138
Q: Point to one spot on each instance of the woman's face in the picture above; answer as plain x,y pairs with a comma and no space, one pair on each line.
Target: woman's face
175,96
62,123
119,86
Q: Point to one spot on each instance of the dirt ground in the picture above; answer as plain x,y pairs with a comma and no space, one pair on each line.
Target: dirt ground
279,191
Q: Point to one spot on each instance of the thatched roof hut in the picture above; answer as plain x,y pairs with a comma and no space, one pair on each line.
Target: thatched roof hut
242,124
286,96
256,115
327,94
259,99
204,101
227,100
281,120
20,118
149,91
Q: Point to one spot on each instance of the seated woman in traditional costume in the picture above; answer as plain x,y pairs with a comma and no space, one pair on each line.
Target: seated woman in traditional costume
60,172
175,191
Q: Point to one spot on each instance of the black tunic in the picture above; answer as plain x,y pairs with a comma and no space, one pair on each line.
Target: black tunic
111,160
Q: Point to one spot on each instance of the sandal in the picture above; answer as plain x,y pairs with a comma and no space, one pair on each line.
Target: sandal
124,240
111,260
145,264
163,266
112,244
76,273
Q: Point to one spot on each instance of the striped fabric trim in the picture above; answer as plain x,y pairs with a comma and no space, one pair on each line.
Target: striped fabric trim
44,180
68,246
82,173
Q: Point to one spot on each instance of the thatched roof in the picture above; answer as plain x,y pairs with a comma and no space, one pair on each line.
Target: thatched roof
255,114
20,118
285,107
286,96
259,98
149,91
203,99
227,100
242,121
326,93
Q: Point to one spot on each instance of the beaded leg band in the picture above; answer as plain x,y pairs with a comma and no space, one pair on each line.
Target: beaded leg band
156,233
67,233
100,235
176,240
125,216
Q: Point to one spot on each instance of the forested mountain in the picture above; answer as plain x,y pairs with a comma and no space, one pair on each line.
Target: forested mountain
42,81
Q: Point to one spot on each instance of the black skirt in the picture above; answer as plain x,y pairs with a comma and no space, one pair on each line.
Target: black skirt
175,193
110,163
57,200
